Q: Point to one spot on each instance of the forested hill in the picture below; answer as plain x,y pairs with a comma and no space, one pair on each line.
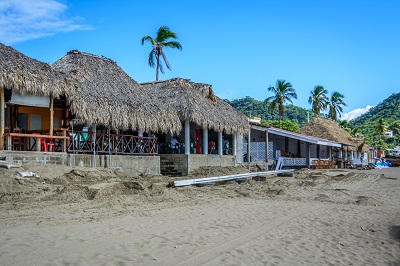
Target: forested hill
251,108
389,110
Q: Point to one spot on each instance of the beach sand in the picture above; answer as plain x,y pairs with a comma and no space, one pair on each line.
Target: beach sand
102,217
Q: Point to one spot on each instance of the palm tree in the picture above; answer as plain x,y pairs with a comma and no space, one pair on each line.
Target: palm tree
344,124
335,105
163,34
318,99
395,126
356,132
381,127
283,91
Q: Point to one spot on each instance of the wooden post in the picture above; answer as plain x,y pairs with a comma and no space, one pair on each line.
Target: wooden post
38,146
51,115
2,118
64,141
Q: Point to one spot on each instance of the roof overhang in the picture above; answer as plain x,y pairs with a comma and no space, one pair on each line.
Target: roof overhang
298,136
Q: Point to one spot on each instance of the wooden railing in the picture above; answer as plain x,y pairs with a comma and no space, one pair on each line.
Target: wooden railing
29,142
102,143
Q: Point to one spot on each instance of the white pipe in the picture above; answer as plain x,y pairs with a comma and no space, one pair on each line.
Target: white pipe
205,180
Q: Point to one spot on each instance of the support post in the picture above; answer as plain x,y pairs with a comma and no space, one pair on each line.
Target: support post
205,140
2,112
94,145
234,144
64,141
187,136
308,154
266,146
248,145
140,133
51,115
220,151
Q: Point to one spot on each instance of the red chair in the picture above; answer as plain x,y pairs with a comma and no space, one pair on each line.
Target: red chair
45,143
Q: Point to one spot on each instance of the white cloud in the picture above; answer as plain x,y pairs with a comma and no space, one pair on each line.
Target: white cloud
22,20
355,113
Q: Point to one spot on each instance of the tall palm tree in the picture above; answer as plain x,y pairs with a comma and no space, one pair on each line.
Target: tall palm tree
318,99
395,126
284,92
381,127
335,105
161,40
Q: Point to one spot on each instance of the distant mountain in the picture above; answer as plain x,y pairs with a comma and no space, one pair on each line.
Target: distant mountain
251,108
389,110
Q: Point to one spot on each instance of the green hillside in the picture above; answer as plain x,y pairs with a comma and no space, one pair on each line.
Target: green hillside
251,108
389,110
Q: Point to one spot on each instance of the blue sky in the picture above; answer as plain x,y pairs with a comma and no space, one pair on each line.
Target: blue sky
240,47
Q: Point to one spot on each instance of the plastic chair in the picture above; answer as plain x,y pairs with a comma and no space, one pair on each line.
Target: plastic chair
45,143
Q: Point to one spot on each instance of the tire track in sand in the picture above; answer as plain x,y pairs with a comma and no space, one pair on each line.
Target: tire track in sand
215,251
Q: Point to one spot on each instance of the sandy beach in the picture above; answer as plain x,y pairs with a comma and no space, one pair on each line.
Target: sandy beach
101,217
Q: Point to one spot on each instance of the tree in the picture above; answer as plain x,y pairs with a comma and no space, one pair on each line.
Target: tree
286,125
356,132
161,40
284,92
335,105
381,127
395,127
318,99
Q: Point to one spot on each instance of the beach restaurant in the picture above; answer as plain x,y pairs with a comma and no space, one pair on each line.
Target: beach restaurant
285,149
84,110
212,129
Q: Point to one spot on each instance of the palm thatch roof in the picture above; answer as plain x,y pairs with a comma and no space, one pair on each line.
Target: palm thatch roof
323,128
27,75
198,103
106,95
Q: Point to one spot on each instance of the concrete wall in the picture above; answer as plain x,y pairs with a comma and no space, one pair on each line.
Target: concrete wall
181,164
198,160
130,165
34,158
174,164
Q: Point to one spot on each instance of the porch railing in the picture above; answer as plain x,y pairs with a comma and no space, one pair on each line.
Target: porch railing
103,143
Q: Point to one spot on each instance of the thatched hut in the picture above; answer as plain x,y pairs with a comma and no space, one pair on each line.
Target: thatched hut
27,76
328,129
106,95
211,126
198,103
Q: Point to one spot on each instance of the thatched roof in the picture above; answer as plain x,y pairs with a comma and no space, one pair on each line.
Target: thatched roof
323,128
27,75
198,103
106,95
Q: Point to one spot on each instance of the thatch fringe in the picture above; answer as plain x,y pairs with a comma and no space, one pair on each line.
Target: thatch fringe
327,129
106,95
27,75
198,103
